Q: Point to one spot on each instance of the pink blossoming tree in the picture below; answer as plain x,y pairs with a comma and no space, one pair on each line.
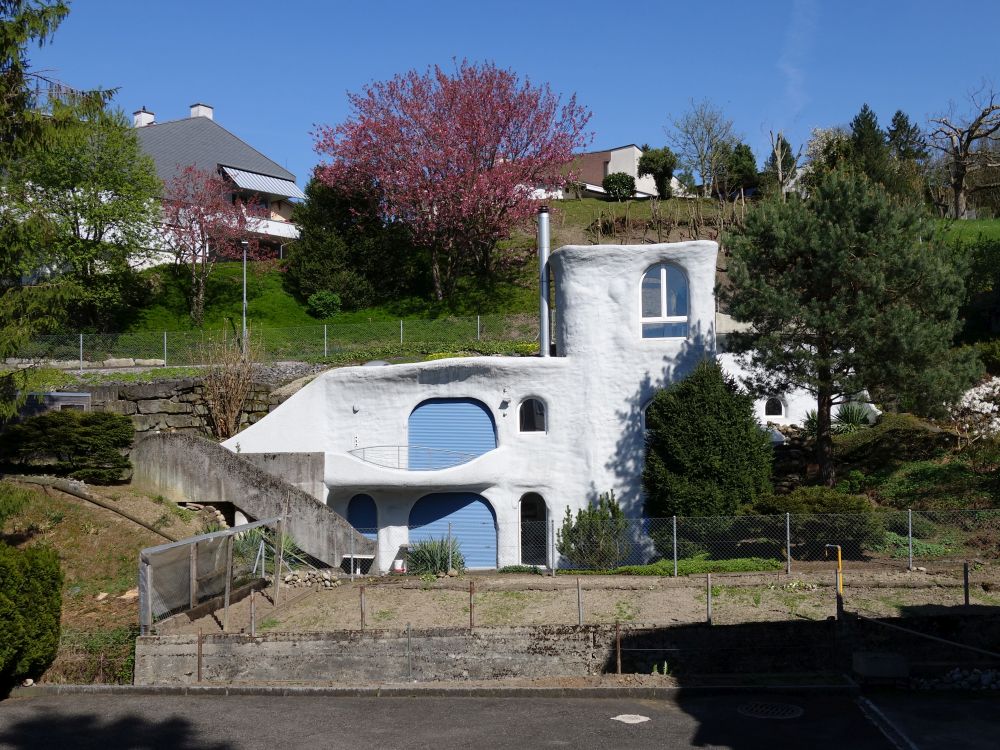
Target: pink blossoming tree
455,156
204,220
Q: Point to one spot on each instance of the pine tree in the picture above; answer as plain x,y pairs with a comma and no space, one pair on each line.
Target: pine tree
848,291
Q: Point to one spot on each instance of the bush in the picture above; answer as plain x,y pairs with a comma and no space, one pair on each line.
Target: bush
822,516
431,556
989,355
84,445
894,439
619,186
705,453
323,304
851,417
597,537
30,606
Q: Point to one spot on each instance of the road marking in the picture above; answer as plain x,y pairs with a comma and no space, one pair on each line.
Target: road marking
892,731
630,718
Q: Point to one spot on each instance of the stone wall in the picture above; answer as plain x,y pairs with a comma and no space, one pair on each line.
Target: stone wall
176,405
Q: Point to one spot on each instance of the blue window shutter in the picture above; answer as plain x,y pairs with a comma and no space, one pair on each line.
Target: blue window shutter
449,427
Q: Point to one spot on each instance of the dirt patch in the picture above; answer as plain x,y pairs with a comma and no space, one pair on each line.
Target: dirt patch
394,603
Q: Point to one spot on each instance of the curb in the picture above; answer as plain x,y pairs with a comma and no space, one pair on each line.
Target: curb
407,691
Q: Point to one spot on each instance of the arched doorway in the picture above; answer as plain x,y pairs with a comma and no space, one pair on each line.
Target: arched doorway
362,514
534,529
472,524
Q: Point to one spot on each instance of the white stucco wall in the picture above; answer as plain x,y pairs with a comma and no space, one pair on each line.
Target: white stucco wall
626,159
594,392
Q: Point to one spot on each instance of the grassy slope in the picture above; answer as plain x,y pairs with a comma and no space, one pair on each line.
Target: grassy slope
270,306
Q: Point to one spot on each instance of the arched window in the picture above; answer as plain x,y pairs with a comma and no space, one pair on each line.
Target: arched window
664,302
531,416
773,407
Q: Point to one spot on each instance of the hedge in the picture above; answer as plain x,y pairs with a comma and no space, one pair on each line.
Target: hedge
30,606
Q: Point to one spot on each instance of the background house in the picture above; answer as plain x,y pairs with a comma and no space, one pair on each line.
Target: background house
200,141
593,166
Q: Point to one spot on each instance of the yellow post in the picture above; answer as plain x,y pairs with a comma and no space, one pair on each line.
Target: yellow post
840,566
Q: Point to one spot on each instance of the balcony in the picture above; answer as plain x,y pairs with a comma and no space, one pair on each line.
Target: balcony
412,457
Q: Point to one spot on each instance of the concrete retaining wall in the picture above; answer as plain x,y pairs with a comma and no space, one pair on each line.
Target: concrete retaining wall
302,470
193,469
372,656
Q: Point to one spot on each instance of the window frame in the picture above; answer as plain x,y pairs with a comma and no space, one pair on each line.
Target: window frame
781,403
545,416
664,289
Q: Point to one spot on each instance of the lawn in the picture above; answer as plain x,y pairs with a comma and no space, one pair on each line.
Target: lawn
974,229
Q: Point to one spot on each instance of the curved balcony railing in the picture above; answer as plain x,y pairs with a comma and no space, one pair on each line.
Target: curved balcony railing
412,457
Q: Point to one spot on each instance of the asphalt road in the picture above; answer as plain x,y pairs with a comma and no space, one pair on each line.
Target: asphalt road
109,722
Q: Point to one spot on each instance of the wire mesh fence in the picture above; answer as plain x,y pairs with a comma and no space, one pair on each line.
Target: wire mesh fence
682,545
309,343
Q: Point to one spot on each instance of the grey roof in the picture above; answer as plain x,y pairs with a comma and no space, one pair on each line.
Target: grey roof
263,184
204,143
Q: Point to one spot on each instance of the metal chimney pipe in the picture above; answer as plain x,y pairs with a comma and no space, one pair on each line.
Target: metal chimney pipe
543,282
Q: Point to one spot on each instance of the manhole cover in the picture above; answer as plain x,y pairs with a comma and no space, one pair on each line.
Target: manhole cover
760,710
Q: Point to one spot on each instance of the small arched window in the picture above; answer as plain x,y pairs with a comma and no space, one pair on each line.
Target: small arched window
664,302
773,407
531,415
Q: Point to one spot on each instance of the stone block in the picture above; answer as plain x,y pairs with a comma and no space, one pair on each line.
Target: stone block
118,362
149,363
163,406
183,421
142,391
120,407
146,422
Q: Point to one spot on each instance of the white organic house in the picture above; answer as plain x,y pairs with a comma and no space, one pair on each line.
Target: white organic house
493,445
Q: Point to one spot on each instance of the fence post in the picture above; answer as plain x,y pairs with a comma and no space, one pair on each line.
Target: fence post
555,551
579,603
253,613
618,647
81,352
201,639
788,543
675,546
164,348
278,556
325,350
400,331
472,604
352,555
449,549
478,329
193,574
362,589
409,653
146,598
909,536
229,583
708,597
839,587
965,581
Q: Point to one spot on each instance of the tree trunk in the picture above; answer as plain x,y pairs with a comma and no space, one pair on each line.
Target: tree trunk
436,275
824,435
959,198
197,297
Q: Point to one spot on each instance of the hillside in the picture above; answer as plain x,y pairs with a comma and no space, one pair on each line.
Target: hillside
583,221
99,553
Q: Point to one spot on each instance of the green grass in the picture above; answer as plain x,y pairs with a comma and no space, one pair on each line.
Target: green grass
696,565
973,229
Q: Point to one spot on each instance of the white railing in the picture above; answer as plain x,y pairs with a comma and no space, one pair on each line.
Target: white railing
412,457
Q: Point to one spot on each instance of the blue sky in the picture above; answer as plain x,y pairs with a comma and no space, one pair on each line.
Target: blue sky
273,70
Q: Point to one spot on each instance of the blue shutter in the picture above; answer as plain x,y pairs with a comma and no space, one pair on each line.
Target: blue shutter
449,428
472,524
363,515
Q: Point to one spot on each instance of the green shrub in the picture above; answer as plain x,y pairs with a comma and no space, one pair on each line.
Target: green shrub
851,417
705,453
989,355
323,304
894,439
12,501
619,186
821,516
30,606
84,445
898,546
597,537
431,556
686,566
530,569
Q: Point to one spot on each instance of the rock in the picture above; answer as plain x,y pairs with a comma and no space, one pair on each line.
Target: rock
289,578
452,573
102,596
120,407
150,363
163,406
27,682
118,362
130,595
326,575
920,569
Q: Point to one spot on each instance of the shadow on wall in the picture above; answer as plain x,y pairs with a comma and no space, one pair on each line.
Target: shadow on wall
86,730
630,450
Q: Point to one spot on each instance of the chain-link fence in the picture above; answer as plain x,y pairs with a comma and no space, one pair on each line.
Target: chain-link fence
794,541
310,343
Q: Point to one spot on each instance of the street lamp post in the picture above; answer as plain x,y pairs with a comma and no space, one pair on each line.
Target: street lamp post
244,339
